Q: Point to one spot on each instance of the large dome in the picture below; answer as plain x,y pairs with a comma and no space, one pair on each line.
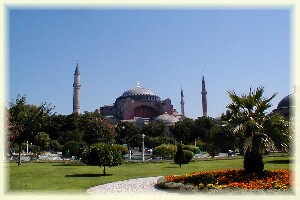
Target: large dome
286,102
138,91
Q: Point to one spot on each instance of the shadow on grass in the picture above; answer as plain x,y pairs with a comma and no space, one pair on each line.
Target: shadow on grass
88,175
279,161
68,165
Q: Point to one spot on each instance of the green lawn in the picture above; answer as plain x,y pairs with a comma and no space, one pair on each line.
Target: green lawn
70,177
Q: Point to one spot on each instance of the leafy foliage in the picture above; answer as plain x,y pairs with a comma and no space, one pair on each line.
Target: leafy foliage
124,133
121,149
166,151
43,140
154,129
74,147
101,154
25,121
184,131
189,147
96,129
73,135
213,150
188,156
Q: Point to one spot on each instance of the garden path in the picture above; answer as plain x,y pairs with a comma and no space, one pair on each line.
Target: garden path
132,186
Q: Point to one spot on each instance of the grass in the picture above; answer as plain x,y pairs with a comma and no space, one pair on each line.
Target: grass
75,177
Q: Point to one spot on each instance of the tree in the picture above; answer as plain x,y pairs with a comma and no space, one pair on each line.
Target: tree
73,135
184,131
125,131
222,138
74,147
152,142
96,129
156,134
154,129
101,154
55,145
25,121
259,130
43,140
203,127
179,156
56,125
121,149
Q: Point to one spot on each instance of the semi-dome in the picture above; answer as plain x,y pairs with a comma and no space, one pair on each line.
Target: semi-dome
286,102
166,118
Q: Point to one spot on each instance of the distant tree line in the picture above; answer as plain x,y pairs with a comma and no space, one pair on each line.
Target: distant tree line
244,121
48,131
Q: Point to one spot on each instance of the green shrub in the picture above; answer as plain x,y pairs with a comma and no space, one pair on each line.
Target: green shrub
120,148
189,147
166,151
188,155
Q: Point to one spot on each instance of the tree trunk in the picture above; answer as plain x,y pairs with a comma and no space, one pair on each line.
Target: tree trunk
19,159
104,171
253,160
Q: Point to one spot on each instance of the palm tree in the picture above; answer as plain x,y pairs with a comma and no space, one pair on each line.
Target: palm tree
259,131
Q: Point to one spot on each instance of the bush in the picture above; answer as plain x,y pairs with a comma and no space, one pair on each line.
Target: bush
120,148
188,155
166,151
189,147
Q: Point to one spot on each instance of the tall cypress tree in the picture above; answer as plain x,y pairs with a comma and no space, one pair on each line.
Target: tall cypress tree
179,157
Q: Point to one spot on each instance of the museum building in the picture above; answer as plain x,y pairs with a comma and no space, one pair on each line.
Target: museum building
138,104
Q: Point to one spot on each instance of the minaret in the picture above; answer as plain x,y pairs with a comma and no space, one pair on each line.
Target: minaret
204,99
182,103
76,93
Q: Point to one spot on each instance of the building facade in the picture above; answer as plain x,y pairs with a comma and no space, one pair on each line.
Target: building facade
136,103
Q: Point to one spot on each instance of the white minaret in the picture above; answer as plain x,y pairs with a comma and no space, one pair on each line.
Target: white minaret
182,103
76,93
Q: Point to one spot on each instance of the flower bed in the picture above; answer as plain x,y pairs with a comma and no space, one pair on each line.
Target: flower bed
229,179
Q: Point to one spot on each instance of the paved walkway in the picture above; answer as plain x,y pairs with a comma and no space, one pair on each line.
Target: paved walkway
132,186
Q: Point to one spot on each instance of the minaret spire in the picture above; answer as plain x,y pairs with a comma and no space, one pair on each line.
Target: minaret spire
182,103
204,98
76,91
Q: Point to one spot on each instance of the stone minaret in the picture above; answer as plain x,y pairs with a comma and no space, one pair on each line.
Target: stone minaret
182,103
76,93
204,99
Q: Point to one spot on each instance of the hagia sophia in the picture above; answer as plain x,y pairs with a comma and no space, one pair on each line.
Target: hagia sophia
140,105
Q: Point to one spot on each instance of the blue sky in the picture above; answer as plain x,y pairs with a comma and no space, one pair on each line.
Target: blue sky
162,49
